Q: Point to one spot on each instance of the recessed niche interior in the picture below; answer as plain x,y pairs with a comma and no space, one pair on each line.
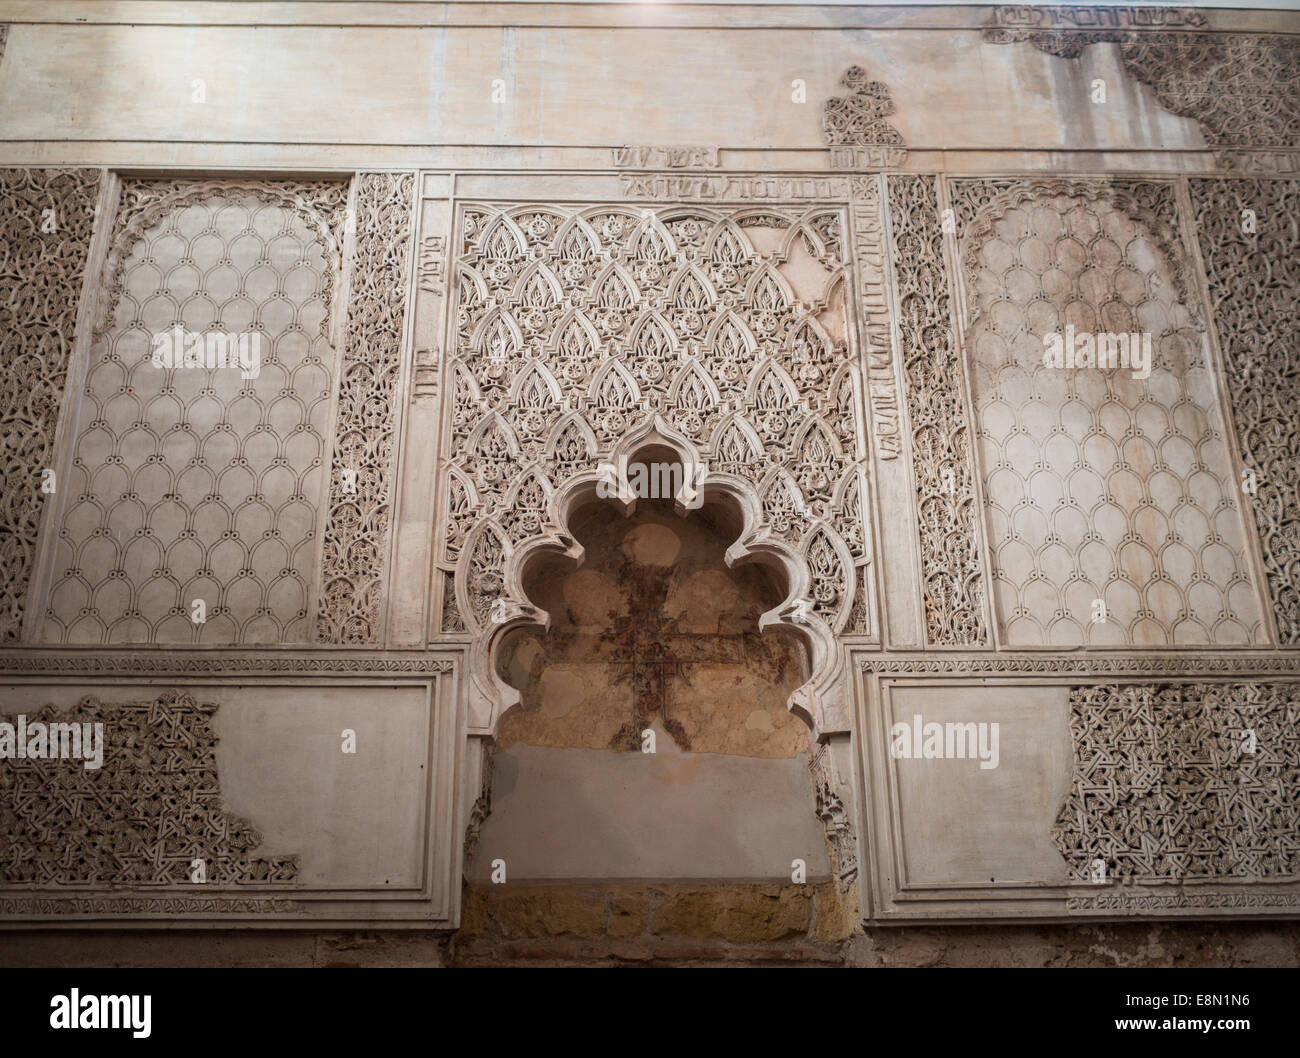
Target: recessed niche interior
653,643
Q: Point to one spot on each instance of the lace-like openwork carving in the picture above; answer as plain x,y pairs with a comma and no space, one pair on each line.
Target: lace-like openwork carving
48,217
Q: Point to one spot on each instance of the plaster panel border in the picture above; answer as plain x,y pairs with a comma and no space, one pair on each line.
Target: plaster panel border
889,898
434,903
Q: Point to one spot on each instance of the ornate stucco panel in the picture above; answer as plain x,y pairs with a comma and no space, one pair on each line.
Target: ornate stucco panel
49,218
579,331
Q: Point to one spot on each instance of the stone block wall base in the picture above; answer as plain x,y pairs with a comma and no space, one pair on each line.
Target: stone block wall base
675,925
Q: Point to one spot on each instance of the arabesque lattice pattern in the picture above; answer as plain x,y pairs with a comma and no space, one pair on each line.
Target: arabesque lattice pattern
151,809
48,216
1113,514
1178,782
576,326
192,482
1254,281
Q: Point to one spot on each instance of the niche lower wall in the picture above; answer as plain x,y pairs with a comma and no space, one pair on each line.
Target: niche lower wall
653,640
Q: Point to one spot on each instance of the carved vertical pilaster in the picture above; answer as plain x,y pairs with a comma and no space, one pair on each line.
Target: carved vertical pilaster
1254,286
354,561
49,221
951,568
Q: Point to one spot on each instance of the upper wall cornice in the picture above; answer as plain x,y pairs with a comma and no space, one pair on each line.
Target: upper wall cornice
631,16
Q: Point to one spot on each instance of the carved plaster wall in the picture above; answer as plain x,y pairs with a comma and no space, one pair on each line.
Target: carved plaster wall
49,217
825,331
1240,87
198,483
725,336
1099,485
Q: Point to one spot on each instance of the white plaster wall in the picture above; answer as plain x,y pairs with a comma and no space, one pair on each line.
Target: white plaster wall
588,814
356,820
591,86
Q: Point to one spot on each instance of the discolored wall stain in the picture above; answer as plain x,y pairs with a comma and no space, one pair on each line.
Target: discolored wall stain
654,631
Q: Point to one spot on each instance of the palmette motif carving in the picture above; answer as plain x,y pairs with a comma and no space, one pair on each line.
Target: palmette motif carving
577,328
1254,284
193,482
1184,782
855,127
152,808
941,453
147,205
354,561
48,217
1112,507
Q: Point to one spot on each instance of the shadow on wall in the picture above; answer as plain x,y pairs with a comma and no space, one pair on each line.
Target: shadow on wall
653,738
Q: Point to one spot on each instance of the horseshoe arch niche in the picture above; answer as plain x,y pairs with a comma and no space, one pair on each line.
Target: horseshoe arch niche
654,442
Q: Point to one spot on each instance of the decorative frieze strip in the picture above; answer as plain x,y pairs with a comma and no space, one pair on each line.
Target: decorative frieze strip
1251,250
117,663
1183,781
1139,903
672,188
1015,17
48,217
659,156
354,563
941,449
143,906
1190,664
873,299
